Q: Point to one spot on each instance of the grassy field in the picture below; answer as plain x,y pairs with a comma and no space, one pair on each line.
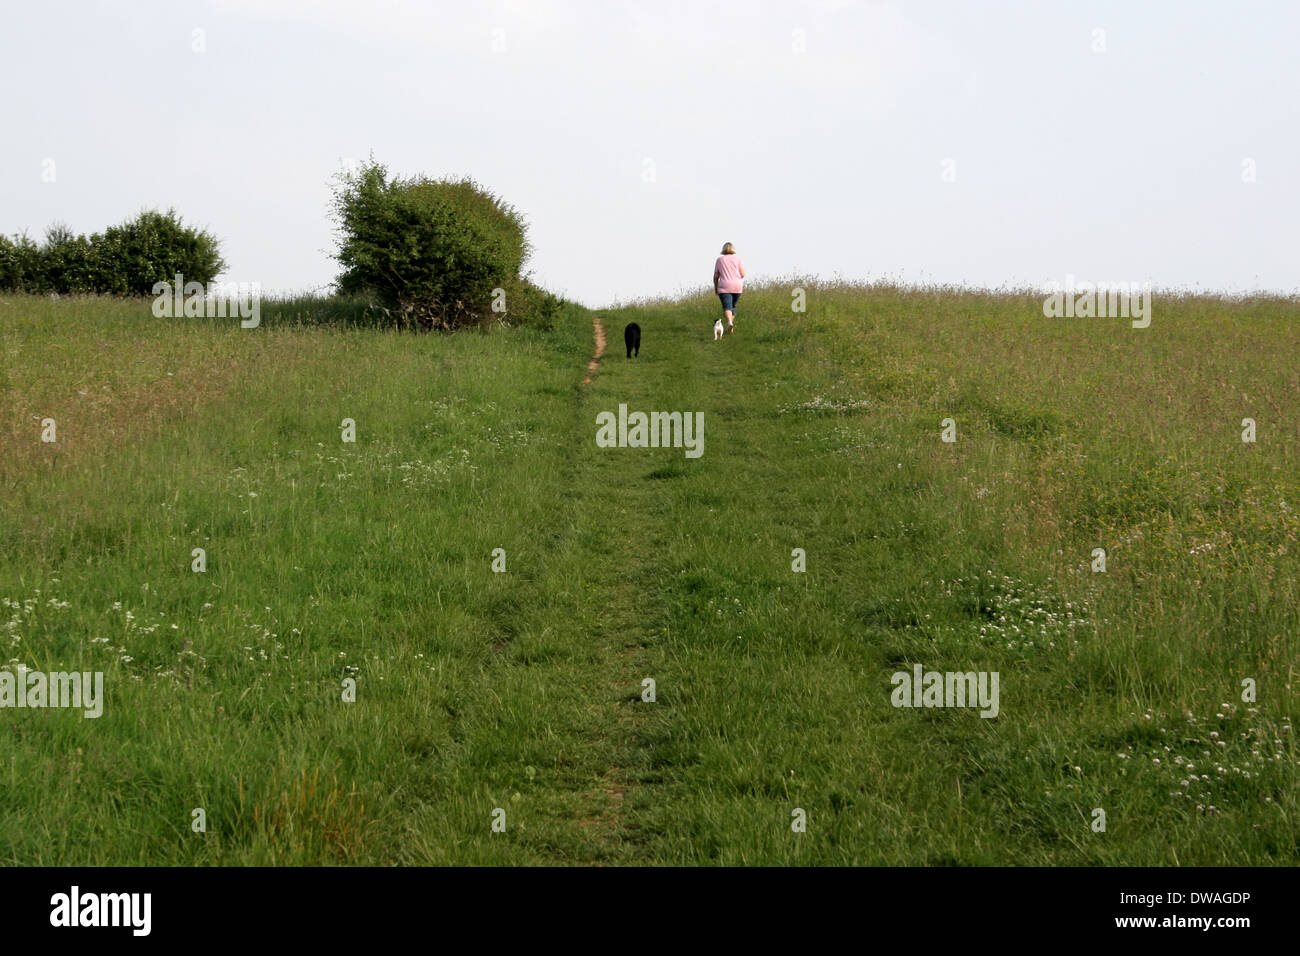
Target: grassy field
517,697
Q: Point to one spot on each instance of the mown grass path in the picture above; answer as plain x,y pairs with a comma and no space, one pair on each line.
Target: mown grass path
635,505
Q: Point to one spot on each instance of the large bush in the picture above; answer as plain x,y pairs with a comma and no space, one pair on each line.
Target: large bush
431,250
124,260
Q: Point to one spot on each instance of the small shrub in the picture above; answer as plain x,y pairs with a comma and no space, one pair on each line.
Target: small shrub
529,304
431,251
67,263
20,269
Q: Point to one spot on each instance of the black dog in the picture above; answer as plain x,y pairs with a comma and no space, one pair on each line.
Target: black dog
632,337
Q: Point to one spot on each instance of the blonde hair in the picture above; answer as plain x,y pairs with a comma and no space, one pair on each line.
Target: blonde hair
728,249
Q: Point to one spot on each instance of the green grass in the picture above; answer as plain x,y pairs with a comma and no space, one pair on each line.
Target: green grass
522,691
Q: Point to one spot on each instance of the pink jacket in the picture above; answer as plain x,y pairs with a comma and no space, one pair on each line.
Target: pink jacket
728,269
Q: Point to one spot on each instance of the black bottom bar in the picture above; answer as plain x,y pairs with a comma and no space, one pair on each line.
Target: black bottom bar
926,906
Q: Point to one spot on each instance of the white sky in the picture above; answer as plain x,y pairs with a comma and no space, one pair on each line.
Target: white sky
1123,165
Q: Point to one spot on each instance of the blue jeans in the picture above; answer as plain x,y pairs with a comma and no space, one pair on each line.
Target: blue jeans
729,300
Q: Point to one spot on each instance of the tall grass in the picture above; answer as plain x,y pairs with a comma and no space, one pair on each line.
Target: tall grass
523,691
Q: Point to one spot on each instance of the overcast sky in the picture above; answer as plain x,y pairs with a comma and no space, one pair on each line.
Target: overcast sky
975,142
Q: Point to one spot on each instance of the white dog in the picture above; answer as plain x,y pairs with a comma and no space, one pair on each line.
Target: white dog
717,330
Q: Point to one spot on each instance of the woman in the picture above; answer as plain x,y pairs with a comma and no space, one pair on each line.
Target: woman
728,283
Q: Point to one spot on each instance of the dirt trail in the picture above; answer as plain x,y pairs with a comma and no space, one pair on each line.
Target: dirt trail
600,349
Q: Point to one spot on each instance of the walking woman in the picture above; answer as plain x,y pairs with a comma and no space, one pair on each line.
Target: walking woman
728,283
